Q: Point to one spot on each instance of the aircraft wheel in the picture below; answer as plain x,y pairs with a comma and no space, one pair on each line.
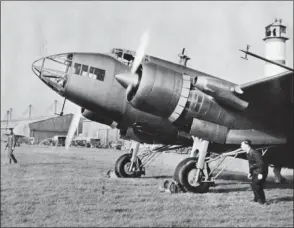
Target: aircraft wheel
178,170
186,175
116,166
122,167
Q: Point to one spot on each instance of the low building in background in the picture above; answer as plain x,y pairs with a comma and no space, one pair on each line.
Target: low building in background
42,128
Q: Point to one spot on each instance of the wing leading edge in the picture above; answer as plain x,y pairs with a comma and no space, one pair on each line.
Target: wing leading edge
271,92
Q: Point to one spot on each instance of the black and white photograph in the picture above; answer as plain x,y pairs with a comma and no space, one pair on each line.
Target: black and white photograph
147,114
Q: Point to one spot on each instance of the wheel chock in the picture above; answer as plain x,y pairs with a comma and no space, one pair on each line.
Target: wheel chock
111,174
170,186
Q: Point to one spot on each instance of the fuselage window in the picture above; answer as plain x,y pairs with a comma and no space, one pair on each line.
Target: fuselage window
97,73
100,74
85,70
91,73
77,67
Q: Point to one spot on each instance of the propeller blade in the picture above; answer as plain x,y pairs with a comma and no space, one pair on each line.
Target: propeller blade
73,127
140,53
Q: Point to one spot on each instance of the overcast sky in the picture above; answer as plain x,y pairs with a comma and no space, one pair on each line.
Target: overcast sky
212,33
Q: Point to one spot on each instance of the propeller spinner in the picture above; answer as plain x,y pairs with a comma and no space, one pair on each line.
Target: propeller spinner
130,81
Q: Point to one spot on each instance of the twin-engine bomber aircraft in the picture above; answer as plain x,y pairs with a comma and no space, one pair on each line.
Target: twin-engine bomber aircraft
154,101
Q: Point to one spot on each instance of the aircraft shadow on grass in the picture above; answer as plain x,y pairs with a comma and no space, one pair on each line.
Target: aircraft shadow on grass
158,177
45,163
270,183
281,199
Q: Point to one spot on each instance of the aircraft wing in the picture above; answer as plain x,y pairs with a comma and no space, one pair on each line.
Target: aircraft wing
275,92
271,102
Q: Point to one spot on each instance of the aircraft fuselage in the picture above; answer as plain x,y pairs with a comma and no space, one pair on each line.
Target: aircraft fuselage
168,104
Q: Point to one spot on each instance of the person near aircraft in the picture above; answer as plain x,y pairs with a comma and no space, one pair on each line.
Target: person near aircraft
258,171
11,146
274,32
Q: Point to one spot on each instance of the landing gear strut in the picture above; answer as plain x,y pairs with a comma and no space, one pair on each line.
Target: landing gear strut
130,165
191,173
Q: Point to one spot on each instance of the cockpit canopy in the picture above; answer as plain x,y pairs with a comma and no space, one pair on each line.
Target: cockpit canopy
54,70
125,56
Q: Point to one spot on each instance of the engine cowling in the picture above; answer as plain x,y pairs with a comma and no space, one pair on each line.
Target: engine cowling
98,117
155,89
202,106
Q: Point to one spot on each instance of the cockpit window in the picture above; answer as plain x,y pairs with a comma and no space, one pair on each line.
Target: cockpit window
88,71
77,68
97,73
124,56
128,57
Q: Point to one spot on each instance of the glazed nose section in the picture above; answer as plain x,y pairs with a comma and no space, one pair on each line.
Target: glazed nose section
54,71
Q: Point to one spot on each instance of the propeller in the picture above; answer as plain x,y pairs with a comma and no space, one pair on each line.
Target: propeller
140,53
73,127
130,81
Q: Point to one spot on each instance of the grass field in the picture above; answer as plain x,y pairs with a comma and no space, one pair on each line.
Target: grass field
70,188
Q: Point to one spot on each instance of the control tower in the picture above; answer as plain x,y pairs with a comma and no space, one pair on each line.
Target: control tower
275,47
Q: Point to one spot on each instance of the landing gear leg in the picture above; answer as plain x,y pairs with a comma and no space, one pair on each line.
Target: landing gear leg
190,172
129,165
201,157
278,176
134,153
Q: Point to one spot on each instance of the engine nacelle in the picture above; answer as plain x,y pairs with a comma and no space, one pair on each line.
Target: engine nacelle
221,134
97,117
209,131
223,91
158,91
203,107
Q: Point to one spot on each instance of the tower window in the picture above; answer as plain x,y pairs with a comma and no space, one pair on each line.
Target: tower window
268,32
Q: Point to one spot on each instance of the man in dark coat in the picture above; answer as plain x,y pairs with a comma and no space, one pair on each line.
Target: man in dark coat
11,146
258,171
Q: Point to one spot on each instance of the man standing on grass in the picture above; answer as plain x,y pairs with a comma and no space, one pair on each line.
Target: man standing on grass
258,171
11,146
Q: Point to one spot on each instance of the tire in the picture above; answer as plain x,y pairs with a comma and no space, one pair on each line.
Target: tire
116,167
122,165
186,172
116,170
179,167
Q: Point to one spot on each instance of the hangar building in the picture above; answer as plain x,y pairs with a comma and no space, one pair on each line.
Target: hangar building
100,131
50,127
42,127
